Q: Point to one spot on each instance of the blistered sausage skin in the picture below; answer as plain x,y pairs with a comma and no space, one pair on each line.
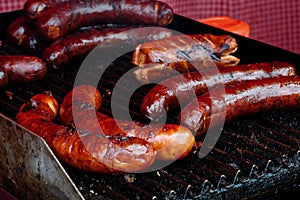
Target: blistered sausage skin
21,69
21,36
171,93
181,48
92,152
69,16
79,44
242,99
79,107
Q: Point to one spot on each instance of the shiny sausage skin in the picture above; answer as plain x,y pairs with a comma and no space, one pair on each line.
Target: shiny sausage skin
92,152
242,99
171,93
79,107
186,48
21,69
33,8
69,16
79,44
21,36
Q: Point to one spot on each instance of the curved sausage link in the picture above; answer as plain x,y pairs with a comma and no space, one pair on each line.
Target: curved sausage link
69,16
93,152
79,107
242,99
174,91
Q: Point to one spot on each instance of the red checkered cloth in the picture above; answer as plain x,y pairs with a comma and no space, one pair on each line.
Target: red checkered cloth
11,5
275,22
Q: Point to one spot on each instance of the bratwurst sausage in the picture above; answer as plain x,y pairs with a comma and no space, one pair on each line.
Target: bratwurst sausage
79,44
171,93
21,69
242,99
79,107
66,17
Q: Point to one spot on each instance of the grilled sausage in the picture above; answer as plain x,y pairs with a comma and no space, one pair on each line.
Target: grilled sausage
21,69
21,36
174,91
77,45
92,152
33,8
170,141
242,99
67,17
187,48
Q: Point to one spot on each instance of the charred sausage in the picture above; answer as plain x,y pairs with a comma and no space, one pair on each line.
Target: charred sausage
21,36
189,48
242,99
77,45
170,141
174,91
69,16
88,152
21,69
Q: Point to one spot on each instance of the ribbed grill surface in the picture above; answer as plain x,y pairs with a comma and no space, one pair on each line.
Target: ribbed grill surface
253,155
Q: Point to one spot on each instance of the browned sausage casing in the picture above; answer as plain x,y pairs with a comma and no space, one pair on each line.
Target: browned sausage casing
242,99
66,17
88,152
179,89
178,49
170,141
21,36
21,69
77,45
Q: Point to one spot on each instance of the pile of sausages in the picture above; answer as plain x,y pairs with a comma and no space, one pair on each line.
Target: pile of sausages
91,141
61,31
233,92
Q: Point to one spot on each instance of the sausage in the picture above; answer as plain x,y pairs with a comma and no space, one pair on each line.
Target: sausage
106,150
21,69
67,17
169,141
171,93
79,44
93,152
187,48
20,35
242,99
33,8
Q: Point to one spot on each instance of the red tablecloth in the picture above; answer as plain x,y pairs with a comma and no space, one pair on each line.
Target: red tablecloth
275,22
